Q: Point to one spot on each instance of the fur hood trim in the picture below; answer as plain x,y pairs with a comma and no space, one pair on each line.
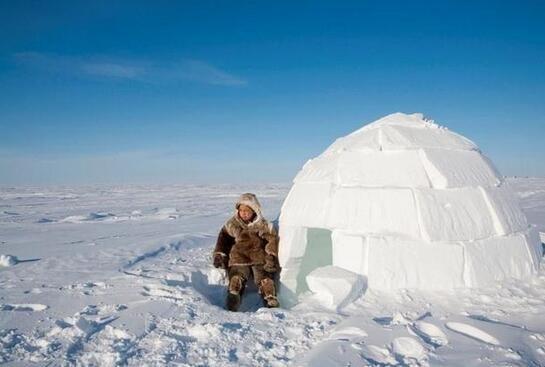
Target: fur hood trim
251,201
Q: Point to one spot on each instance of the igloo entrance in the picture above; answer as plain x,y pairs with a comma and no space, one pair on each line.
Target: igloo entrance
318,253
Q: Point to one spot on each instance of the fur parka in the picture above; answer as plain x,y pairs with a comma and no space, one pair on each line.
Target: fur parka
244,244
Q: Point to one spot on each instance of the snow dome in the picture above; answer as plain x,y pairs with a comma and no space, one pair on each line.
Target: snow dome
404,203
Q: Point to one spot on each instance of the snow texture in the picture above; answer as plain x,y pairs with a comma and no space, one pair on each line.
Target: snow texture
409,204
140,290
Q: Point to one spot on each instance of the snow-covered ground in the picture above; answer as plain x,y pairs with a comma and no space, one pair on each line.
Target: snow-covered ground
122,275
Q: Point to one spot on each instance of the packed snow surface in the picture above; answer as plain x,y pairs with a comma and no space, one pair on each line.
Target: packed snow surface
128,281
406,203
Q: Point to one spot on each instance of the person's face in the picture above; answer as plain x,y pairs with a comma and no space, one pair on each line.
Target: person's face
245,212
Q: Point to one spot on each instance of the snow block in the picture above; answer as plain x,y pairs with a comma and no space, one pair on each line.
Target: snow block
536,248
368,210
458,168
405,133
401,119
382,169
454,214
289,280
293,242
411,137
307,205
395,263
349,252
368,140
335,287
497,258
320,169
401,131
291,283
505,209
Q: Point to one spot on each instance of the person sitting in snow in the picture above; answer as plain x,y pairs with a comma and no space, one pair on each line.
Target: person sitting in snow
248,245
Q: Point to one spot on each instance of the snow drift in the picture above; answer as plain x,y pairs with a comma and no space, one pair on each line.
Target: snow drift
405,203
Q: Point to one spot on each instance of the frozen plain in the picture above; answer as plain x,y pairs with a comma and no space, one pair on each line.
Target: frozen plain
121,275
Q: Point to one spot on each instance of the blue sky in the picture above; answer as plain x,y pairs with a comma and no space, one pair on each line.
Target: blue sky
228,92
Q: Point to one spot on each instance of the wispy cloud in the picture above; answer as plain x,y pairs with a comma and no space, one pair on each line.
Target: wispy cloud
146,71
109,69
205,73
82,66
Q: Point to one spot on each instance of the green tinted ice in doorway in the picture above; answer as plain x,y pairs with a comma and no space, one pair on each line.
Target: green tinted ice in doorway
318,253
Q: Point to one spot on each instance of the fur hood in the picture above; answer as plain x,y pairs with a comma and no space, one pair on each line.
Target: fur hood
235,224
251,201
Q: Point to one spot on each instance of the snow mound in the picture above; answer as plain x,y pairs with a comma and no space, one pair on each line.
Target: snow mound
472,332
91,217
378,355
166,213
405,203
8,260
408,350
430,333
335,287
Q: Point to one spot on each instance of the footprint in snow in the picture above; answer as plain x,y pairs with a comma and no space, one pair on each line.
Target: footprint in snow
472,332
23,307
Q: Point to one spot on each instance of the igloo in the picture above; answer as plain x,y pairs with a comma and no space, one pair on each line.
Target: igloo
405,203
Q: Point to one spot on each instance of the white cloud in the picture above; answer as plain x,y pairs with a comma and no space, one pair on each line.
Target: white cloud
129,69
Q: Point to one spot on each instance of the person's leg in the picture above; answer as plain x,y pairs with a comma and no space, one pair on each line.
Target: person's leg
238,275
265,285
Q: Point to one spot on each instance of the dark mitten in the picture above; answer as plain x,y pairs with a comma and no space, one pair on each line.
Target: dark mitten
270,264
219,261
